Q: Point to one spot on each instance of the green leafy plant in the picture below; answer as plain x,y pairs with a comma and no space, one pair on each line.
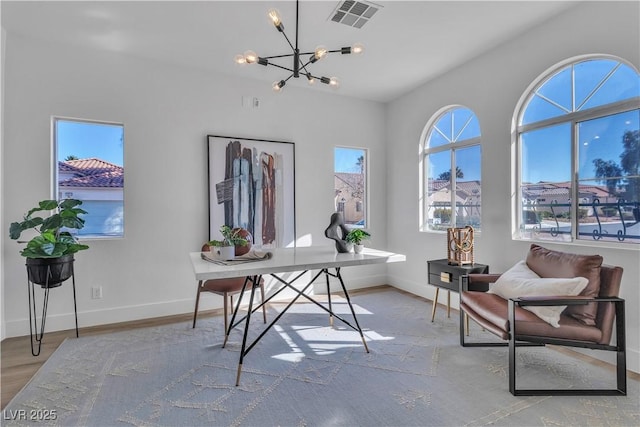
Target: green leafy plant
231,237
52,241
356,236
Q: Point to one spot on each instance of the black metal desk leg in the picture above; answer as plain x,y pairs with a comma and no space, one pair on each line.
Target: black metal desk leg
255,284
326,276
346,294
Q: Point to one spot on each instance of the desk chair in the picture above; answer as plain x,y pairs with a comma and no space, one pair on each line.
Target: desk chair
227,288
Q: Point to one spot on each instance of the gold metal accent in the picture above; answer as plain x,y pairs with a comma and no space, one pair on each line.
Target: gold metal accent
445,277
238,374
435,304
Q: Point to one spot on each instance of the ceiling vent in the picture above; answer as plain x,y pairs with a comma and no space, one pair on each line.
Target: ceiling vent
354,13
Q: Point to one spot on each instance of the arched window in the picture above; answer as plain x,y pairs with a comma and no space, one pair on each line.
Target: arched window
578,153
451,165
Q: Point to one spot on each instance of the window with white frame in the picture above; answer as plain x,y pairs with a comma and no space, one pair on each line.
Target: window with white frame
89,166
451,171
578,154
350,185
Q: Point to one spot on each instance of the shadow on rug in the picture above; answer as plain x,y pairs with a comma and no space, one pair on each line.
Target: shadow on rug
305,373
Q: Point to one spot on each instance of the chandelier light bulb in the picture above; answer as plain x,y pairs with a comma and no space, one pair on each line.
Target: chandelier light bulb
240,59
357,48
310,79
250,57
274,16
277,86
320,52
334,82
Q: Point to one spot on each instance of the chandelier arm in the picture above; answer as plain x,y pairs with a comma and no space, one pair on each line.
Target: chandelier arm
281,67
279,56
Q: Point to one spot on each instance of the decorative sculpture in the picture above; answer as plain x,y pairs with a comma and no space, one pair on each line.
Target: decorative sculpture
460,245
338,231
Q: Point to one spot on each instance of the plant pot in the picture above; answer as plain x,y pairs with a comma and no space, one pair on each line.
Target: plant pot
223,253
50,272
358,248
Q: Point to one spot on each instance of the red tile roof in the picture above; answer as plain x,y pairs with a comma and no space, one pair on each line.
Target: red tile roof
92,173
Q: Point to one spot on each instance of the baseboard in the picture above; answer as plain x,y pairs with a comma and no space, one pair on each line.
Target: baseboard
66,321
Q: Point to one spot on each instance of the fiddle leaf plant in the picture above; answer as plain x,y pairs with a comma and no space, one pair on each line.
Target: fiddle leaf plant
231,237
356,236
52,239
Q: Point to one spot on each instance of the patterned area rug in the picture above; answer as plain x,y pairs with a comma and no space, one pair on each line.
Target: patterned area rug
305,373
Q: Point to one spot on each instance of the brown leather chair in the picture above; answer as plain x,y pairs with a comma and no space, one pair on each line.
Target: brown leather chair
586,323
227,288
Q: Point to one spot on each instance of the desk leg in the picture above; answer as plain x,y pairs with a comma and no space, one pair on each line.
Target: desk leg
448,304
255,284
326,276
346,294
435,304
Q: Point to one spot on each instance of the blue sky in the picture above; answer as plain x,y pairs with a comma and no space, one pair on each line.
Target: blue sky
86,140
346,159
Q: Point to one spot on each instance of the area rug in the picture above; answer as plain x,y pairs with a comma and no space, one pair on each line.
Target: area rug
304,372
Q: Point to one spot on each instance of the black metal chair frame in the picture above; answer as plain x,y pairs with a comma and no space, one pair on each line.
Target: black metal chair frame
520,340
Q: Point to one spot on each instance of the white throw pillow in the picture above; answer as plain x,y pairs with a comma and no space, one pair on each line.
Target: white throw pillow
521,281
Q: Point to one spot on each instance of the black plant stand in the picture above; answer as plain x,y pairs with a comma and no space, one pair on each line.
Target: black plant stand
36,336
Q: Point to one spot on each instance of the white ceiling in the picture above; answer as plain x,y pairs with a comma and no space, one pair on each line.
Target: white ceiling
407,42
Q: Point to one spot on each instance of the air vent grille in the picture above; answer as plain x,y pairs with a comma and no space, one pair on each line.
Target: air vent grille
354,13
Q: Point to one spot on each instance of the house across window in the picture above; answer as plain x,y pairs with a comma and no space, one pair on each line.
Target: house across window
451,166
579,154
350,185
90,168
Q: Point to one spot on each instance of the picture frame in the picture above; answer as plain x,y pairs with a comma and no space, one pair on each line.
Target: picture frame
252,186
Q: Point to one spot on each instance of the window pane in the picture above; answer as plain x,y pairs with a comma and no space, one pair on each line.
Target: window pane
350,168
90,167
438,202
468,195
622,84
546,154
545,184
609,153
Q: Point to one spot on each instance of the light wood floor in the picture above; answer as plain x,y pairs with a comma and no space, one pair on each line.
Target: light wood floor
19,366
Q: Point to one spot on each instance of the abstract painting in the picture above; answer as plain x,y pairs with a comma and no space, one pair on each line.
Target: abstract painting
252,185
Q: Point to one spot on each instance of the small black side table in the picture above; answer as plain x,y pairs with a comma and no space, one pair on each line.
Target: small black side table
447,276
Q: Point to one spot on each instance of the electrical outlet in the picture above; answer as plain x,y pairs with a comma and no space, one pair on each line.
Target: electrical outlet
96,292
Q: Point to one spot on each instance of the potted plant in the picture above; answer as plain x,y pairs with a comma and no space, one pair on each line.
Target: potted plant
50,253
232,238
356,236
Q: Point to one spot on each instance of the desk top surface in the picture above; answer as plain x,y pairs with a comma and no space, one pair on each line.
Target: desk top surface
291,259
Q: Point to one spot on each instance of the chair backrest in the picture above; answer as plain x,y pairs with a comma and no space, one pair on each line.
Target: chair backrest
610,279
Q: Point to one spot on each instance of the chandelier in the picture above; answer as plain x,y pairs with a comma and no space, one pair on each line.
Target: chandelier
301,60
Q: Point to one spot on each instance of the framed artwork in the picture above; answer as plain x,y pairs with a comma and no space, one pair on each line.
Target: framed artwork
252,185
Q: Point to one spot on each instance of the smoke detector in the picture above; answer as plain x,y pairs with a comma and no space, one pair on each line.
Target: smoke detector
354,13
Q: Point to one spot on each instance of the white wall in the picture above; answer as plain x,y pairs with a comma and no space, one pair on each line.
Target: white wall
167,112
2,43
491,85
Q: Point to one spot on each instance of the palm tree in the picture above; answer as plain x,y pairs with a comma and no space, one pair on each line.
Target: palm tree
71,157
446,176
609,173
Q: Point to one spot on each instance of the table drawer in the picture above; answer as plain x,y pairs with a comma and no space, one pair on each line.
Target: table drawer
447,276
445,280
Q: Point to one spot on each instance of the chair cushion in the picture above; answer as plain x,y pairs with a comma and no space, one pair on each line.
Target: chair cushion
548,263
494,309
520,281
232,285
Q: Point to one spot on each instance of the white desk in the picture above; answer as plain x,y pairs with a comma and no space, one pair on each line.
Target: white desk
287,260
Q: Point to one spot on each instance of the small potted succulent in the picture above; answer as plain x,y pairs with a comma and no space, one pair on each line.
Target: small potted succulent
357,236
232,238
50,252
